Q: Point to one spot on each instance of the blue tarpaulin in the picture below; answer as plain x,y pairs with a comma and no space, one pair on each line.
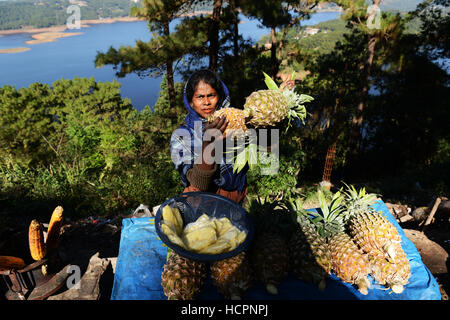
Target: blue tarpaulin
142,256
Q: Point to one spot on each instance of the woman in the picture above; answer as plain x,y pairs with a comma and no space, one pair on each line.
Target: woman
190,147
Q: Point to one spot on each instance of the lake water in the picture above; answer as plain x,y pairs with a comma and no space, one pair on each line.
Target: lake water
74,56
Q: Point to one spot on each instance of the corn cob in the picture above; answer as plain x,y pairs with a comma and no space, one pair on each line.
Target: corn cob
8,263
36,240
54,227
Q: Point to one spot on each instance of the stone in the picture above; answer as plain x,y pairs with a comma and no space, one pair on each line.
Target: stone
432,254
420,214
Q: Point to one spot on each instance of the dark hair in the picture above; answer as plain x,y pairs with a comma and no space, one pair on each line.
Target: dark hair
208,77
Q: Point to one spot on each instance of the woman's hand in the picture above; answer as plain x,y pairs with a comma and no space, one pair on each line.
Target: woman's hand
288,83
218,124
213,132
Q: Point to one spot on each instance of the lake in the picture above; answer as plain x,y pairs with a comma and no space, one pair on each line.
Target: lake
74,56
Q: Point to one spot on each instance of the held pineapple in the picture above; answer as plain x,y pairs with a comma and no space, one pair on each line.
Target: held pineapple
376,236
182,278
233,276
266,108
236,121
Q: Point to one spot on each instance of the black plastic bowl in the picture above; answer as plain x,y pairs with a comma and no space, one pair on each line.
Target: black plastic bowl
191,206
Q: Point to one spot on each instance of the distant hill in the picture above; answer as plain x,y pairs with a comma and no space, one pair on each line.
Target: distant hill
45,13
15,14
399,5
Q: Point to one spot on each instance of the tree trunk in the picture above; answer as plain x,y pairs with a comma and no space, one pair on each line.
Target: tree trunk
336,131
355,133
214,36
358,117
169,70
273,53
235,28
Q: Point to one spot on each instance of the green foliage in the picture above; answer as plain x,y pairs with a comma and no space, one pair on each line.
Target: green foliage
96,155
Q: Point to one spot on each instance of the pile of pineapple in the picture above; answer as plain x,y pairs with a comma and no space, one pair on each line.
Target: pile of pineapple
348,238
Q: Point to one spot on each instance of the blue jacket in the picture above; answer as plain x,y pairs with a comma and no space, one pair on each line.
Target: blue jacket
186,145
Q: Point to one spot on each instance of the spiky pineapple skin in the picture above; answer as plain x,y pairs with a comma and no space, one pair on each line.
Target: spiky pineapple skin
349,262
266,107
236,120
309,255
233,276
392,275
270,259
375,235
182,278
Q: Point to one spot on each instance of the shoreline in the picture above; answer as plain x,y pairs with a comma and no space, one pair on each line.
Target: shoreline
14,50
62,28
87,23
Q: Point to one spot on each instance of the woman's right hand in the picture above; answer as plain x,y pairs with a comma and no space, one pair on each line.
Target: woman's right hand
219,126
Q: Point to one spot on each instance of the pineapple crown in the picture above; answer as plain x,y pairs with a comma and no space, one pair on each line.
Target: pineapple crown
299,214
356,201
333,215
295,101
270,215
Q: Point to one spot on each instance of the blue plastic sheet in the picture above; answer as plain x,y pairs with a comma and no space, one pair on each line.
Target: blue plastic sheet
142,256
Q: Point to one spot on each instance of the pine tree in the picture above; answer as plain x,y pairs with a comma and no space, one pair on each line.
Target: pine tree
153,57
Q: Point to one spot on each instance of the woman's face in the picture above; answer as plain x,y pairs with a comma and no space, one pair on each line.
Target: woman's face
205,99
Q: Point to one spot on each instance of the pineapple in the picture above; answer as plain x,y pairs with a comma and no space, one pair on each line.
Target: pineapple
266,108
348,262
392,275
377,237
270,259
308,251
269,254
262,108
182,278
309,254
233,276
236,121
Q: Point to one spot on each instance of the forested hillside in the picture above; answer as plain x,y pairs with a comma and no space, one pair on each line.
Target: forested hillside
46,13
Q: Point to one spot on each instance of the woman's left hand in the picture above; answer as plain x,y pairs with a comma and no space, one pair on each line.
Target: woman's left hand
288,83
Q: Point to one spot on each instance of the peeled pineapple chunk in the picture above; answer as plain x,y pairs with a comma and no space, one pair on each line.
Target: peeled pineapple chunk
201,222
200,237
170,233
220,246
222,226
173,218
206,235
